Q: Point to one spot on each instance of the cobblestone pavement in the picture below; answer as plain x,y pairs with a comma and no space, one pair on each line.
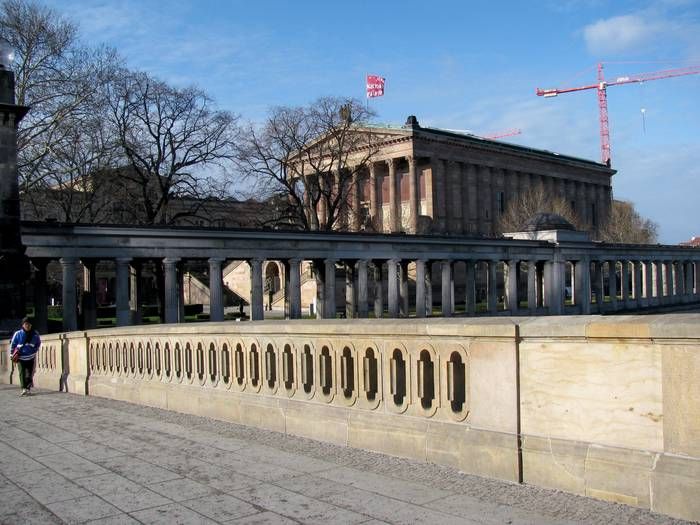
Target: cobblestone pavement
67,458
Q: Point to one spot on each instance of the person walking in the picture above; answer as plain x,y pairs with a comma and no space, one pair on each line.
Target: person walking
23,349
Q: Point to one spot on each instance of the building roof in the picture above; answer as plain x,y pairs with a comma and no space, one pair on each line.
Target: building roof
413,128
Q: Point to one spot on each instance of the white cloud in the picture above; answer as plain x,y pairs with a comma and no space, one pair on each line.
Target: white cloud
621,33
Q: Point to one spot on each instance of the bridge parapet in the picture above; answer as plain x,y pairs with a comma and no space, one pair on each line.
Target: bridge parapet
585,404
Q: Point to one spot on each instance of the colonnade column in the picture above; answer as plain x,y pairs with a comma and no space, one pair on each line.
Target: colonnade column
624,283
531,286
171,293
70,314
378,290
216,290
294,290
319,272
257,307
421,310
470,287
414,193
637,280
350,292
491,287
89,301
677,281
612,283
597,287
392,279
582,287
688,281
329,300
135,293
403,288
667,282
554,283
361,270
512,286
122,291
393,198
446,283
373,201
41,310
429,287
648,298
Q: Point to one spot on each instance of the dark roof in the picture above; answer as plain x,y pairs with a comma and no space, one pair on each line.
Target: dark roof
547,221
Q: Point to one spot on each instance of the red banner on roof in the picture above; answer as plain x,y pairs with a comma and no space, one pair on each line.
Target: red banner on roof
375,86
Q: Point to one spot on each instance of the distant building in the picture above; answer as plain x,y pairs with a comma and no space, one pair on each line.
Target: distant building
694,241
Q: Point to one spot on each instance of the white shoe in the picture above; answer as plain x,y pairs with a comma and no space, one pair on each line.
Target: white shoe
24,392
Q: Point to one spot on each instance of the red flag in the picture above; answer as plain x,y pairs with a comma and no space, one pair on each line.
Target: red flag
375,86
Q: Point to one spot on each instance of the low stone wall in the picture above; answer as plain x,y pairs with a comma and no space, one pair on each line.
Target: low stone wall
607,407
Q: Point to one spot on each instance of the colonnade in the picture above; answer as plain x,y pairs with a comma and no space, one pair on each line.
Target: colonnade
463,197
492,285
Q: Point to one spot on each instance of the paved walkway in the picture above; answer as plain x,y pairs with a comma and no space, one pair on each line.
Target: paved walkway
66,458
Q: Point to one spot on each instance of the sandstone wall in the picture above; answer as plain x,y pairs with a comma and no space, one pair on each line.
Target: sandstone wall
607,407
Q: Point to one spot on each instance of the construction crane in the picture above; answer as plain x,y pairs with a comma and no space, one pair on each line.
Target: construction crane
602,86
502,134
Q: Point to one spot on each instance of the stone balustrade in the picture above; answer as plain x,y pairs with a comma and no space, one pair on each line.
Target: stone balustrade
606,407
534,274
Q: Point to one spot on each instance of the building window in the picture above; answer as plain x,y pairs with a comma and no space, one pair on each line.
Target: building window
594,218
573,206
501,202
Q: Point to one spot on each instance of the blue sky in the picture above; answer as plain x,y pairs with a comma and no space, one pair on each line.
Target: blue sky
471,65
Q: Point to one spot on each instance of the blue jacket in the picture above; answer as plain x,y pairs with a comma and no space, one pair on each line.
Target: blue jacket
28,346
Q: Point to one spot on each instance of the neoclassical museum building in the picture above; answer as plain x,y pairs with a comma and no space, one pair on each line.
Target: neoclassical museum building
430,180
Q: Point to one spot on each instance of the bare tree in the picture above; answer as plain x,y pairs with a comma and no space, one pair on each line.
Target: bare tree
307,160
531,202
167,136
625,225
58,78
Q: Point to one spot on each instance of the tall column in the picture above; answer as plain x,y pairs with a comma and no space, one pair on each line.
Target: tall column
612,284
512,286
350,303
135,293
356,191
70,314
362,307
469,287
403,288
454,191
414,194
668,282
394,198
624,283
598,287
429,287
420,288
122,292
472,210
531,286
293,291
678,282
41,311
648,286
554,284
378,290
486,200
216,290
257,306
440,195
688,267
491,287
320,278
171,292
447,285
329,302
659,282
637,280
582,287
373,201
392,279
89,300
